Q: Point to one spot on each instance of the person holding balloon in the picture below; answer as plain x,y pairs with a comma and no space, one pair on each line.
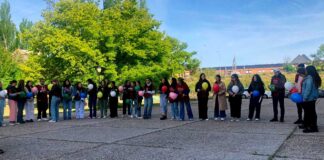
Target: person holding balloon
173,99
102,95
29,106
125,98
12,101
256,90
22,98
138,98
149,91
310,95
67,90
3,94
184,100
203,88
42,100
164,92
113,99
131,99
92,92
219,89
277,88
298,87
56,92
235,90
79,94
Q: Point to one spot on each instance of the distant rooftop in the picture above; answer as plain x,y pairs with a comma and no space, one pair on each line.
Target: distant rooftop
278,65
301,59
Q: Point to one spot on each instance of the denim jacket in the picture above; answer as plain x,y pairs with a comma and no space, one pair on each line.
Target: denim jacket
309,90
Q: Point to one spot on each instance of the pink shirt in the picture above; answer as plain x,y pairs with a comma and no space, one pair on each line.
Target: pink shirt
298,85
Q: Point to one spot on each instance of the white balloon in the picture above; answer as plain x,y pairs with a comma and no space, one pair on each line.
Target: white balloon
3,93
90,86
288,86
235,89
113,93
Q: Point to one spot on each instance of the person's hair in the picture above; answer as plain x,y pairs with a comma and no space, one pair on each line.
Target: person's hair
21,84
236,77
65,85
258,80
139,82
13,81
27,86
77,85
181,80
301,71
302,65
113,83
200,79
125,84
166,81
218,76
311,70
90,81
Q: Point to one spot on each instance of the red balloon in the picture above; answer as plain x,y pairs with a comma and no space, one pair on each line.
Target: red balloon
164,89
216,88
294,90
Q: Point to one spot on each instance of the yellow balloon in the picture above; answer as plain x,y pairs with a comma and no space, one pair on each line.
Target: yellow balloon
49,87
205,86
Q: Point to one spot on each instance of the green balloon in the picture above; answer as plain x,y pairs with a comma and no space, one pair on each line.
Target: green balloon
271,87
137,88
22,95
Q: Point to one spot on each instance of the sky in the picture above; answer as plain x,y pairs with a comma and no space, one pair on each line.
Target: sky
253,31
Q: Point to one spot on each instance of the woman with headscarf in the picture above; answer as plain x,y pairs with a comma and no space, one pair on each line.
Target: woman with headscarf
203,88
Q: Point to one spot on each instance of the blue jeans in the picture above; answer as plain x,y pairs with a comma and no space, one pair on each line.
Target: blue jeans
67,109
182,110
164,104
138,108
148,104
175,110
55,102
79,109
220,114
133,107
2,106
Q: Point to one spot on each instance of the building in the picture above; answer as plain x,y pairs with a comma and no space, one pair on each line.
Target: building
248,69
301,59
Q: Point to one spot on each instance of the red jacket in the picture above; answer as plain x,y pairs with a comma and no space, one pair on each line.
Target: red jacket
183,92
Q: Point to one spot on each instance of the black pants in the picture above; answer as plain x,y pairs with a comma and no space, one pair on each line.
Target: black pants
281,99
113,105
235,105
21,105
41,108
126,106
310,117
93,107
255,104
300,111
203,107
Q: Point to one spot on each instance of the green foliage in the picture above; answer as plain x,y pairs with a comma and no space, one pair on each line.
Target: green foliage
7,28
319,58
8,67
24,27
289,68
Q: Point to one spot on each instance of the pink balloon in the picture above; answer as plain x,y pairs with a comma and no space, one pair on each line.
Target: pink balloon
120,88
34,90
173,95
141,93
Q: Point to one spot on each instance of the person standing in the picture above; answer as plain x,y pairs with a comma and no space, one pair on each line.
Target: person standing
203,95
13,98
67,91
310,95
80,95
164,92
174,102
113,100
184,99
235,97
278,95
92,92
102,101
220,100
42,101
298,85
148,99
125,97
256,90
2,106
29,106
131,96
21,101
56,93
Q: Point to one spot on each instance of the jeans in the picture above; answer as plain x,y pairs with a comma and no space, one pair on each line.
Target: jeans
133,106
148,104
92,106
21,105
55,102
175,110
79,109
164,104
138,105
182,110
2,106
67,109
29,109
102,103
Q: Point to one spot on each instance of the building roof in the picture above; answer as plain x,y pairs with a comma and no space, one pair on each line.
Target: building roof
301,59
278,65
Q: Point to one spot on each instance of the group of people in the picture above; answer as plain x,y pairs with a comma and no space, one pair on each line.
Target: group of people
105,96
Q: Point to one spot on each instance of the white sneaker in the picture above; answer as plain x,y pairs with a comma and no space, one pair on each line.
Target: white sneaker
191,119
11,124
257,119
237,120
216,119
51,121
45,119
4,125
39,120
248,119
207,119
232,120
104,117
131,116
222,119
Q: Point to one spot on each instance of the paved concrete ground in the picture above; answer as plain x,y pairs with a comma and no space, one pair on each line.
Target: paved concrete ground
126,138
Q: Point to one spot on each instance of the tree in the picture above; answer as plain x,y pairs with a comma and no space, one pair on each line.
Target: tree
8,67
24,27
318,58
7,28
288,67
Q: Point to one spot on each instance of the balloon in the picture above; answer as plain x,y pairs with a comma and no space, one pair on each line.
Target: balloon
216,88
137,88
294,90
256,93
3,93
296,97
90,86
99,94
235,89
66,96
204,86
120,88
22,95
34,90
83,95
141,93
173,95
50,86
164,89
272,87
29,95
288,86
113,93
128,101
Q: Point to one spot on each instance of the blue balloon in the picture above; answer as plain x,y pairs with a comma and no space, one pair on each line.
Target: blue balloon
83,95
29,95
256,93
296,97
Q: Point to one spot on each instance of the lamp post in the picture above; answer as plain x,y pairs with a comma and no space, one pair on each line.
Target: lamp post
99,70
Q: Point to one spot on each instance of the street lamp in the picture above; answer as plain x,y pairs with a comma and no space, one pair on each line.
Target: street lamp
99,70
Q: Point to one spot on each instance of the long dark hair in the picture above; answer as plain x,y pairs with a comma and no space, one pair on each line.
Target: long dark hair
21,84
258,80
27,86
237,78
220,78
200,79
174,82
65,85
311,70
166,82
